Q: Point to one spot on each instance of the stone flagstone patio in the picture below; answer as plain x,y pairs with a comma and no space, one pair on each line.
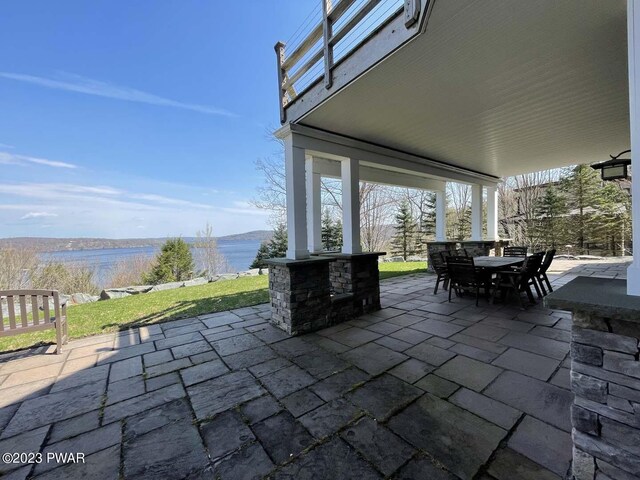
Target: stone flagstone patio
422,389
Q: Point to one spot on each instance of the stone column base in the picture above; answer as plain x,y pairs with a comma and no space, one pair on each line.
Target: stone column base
357,275
300,294
477,248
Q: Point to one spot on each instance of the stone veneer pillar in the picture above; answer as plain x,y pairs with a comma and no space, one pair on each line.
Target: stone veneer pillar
477,248
605,377
300,294
357,275
437,247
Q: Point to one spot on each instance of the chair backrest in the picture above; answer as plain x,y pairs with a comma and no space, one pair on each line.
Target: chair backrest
462,270
514,252
16,305
462,252
532,264
548,258
437,262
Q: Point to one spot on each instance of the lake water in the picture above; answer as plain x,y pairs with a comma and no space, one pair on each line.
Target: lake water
239,255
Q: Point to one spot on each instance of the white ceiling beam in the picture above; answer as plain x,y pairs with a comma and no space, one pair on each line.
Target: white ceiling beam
333,146
331,168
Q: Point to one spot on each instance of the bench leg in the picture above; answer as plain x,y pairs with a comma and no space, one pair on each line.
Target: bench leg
58,336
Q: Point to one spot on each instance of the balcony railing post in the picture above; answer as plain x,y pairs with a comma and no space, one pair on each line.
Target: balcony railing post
411,12
328,47
281,76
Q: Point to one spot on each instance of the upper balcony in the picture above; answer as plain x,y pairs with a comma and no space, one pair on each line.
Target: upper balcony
323,55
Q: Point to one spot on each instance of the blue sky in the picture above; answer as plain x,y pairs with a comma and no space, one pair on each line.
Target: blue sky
137,119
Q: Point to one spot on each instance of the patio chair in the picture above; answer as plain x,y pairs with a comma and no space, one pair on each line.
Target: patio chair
440,267
514,252
462,252
25,321
463,276
541,274
519,281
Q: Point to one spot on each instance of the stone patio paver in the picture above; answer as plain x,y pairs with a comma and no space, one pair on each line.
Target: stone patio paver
544,444
239,399
459,440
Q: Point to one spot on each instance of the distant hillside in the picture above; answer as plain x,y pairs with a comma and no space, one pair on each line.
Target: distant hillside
255,235
59,244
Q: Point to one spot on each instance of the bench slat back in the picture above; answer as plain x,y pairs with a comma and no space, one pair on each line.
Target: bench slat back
35,313
38,298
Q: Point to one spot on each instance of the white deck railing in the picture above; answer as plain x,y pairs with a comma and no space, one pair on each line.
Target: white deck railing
328,35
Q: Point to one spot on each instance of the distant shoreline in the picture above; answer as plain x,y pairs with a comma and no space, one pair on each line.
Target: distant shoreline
52,244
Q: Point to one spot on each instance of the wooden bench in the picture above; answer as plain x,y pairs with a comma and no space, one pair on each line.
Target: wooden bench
15,317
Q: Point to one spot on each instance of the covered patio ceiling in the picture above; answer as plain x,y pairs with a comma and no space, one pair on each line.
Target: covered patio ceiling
496,89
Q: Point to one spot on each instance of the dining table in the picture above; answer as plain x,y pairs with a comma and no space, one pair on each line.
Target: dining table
487,266
493,264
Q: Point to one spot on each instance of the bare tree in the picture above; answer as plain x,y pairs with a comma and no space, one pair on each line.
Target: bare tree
208,257
459,199
17,265
518,199
377,206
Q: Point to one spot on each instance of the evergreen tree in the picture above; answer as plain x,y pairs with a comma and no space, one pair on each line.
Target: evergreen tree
174,263
551,219
403,242
582,187
427,222
261,256
278,243
612,217
331,232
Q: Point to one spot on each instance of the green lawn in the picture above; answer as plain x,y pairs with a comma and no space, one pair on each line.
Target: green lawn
148,308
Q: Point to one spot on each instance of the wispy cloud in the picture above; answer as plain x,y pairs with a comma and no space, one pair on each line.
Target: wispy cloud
7,158
6,145
38,215
79,84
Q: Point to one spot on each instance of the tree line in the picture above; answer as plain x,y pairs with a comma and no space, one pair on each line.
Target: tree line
569,209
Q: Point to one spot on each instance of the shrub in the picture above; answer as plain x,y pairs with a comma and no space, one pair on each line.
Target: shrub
174,263
66,278
131,271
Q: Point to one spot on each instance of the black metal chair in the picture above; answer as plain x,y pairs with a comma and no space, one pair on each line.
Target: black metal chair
541,274
519,281
462,252
463,276
514,252
440,267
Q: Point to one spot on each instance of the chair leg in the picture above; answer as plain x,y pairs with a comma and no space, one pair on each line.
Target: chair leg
435,290
450,290
535,285
546,279
527,289
477,294
541,284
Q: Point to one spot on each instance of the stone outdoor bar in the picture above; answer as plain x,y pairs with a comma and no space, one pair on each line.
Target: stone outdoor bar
605,377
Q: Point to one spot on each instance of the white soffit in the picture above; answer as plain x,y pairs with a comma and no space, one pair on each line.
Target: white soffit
497,86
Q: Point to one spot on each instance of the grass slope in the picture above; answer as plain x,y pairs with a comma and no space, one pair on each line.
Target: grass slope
137,310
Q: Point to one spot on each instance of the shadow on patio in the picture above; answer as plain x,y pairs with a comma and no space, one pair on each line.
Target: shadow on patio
421,389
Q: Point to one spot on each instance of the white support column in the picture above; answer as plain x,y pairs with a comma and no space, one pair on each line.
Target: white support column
476,212
350,170
294,158
441,215
314,208
633,33
492,213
